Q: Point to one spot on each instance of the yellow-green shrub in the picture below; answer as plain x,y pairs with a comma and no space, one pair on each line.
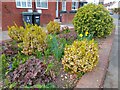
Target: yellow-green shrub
53,27
16,33
81,56
94,19
35,39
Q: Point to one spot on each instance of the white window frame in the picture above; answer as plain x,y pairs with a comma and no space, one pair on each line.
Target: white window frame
76,7
21,4
41,7
63,4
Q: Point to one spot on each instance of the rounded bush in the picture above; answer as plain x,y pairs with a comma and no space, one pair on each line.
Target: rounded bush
53,27
81,56
34,39
94,19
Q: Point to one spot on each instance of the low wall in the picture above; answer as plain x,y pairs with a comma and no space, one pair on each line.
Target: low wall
67,17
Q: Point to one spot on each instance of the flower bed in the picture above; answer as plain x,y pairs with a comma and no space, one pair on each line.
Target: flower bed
16,63
36,58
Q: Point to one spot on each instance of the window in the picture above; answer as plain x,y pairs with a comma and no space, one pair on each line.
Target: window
63,5
75,4
42,4
24,3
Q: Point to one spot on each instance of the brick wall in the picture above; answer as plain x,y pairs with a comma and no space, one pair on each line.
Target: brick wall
67,17
11,14
48,14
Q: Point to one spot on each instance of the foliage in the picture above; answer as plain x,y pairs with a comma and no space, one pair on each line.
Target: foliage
18,59
47,53
10,48
4,64
38,54
94,19
49,66
31,73
72,35
8,84
56,46
65,29
53,27
35,39
11,63
81,56
16,33
42,87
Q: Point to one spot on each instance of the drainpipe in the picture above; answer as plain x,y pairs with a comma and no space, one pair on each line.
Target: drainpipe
34,8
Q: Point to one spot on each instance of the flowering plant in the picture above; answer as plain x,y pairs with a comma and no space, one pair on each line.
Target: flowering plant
86,35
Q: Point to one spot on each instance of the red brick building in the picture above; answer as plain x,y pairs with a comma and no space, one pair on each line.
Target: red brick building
50,9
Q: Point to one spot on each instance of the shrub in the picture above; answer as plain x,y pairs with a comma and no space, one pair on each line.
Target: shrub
31,73
81,56
94,19
53,27
16,33
35,39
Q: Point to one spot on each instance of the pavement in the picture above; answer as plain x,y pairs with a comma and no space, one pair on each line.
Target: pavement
111,80
4,36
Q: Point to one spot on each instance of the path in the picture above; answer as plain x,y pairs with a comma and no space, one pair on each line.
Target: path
111,80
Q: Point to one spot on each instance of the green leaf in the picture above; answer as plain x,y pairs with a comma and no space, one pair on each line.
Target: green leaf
37,86
13,85
49,66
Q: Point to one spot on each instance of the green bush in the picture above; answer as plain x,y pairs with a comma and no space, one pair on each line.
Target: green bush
35,39
81,56
16,33
94,19
53,27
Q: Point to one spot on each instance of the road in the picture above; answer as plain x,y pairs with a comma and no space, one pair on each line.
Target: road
111,80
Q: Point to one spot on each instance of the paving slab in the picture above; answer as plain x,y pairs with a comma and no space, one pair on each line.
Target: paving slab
4,36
